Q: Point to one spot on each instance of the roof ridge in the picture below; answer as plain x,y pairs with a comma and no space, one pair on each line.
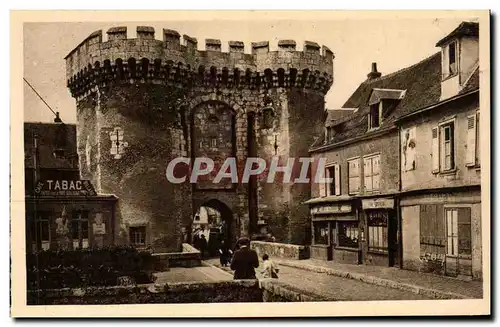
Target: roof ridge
381,78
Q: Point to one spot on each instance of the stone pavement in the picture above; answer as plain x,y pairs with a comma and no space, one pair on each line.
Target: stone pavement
195,274
335,288
352,282
433,286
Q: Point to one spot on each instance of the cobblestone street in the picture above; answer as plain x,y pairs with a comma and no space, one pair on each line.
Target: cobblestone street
338,288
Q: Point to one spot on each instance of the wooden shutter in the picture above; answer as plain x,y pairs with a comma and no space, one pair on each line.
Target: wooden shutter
435,150
471,140
337,180
322,189
368,175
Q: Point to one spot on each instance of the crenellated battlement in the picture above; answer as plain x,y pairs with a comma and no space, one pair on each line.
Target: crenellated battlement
175,59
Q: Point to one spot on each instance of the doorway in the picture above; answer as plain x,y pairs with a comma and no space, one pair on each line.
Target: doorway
458,242
213,221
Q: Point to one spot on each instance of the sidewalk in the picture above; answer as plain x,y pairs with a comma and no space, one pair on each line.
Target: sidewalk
434,286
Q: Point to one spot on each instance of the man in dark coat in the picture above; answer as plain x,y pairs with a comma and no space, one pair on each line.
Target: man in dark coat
244,261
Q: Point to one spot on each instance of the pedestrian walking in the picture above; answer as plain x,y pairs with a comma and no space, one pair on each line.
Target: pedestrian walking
244,261
203,245
270,269
224,254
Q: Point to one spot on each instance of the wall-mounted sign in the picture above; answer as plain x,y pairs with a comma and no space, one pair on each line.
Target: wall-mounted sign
331,209
65,188
377,203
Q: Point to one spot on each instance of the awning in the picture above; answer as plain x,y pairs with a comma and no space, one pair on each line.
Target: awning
330,199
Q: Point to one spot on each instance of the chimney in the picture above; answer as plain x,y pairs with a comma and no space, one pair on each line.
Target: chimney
374,73
57,119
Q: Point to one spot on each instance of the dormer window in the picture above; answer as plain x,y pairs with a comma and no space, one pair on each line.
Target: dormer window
375,116
329,133
452,59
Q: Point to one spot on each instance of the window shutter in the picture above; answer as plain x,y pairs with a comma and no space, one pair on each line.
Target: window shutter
471,140
322,189
337,179
435,150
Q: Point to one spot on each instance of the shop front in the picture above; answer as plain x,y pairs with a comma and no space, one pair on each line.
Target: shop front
381,240
336,234
69,215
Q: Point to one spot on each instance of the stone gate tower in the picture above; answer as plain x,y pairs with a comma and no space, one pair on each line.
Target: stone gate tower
143,102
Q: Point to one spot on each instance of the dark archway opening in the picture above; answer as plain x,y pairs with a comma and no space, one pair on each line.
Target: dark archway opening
214,220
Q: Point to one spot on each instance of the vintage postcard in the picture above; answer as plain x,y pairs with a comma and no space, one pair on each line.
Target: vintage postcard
216,164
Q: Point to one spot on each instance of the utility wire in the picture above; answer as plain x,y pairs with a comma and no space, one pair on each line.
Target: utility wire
40,97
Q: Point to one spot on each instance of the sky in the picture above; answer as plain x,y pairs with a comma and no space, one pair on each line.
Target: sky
392,43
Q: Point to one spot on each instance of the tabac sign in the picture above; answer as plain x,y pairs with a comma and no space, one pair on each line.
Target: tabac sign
65,188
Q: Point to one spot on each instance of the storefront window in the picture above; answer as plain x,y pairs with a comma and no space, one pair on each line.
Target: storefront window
41,230
377,230
321,233
348,234
80,229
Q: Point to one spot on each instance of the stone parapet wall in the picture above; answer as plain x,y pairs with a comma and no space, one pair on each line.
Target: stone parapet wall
144,58
235,291
281,250
188,258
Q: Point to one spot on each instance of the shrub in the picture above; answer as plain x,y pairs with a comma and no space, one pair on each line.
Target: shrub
54,269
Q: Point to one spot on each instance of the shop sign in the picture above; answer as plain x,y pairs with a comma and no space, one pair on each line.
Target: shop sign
65,188
377,204
331,209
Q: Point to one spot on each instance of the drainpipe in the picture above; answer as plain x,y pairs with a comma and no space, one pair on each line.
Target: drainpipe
398,204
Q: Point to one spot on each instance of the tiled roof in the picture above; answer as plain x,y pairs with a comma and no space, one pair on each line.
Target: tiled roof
464,29
473,82
49,135
333,115
422,82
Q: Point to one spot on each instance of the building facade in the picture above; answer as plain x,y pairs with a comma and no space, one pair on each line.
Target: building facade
440,168
62,211
405,167
143,102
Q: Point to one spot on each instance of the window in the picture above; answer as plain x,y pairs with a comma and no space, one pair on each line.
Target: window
41,230
137,235
354,176
333,187
372,173
478,141
348,234
443,147
321,233
377,230
329,134
473,145
375,116
458,232
267,117
201,144
452,59
214,142
80,229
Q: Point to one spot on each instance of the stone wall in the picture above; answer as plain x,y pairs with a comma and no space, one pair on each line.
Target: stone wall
188,258
280,250
234,291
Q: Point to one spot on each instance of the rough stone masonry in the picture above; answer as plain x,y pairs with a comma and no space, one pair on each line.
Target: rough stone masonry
142,102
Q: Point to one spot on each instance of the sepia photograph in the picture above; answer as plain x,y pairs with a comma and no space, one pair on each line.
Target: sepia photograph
335,158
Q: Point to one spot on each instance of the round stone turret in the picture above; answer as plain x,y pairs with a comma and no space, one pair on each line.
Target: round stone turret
143,102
